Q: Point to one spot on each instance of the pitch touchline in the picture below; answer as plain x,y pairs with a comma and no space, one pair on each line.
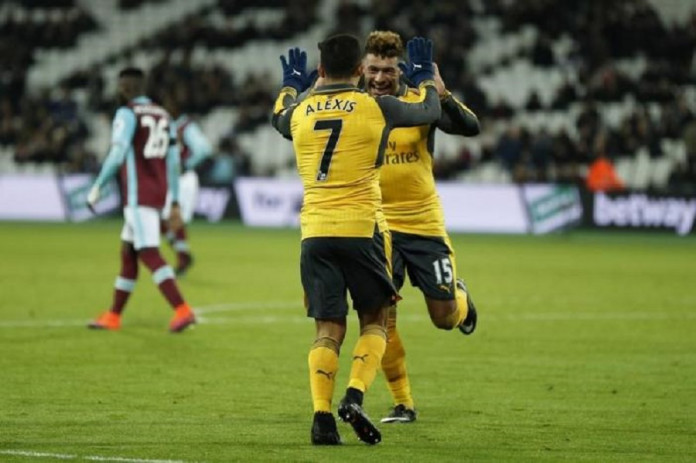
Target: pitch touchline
219,318
67,456
235,306
542,317
211,308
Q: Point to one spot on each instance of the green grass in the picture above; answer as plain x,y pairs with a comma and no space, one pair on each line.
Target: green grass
585,351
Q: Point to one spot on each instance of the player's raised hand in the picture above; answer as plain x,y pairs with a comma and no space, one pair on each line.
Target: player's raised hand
295,70
93,198
420,60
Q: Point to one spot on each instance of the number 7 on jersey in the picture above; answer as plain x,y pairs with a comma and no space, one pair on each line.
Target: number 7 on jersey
335,126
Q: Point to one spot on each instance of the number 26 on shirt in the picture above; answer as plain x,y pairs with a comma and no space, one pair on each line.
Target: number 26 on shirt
158,139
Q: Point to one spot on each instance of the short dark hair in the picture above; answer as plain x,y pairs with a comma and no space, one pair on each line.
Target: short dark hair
132,72
340,55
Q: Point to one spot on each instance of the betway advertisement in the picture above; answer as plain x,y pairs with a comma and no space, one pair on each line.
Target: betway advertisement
476,208
271,202
642,211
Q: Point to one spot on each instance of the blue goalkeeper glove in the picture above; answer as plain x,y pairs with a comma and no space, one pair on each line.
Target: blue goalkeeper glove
295,70
420,60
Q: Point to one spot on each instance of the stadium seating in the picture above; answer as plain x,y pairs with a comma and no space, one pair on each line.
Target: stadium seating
119,31
499,60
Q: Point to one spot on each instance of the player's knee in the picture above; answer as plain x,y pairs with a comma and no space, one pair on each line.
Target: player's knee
446,317
331,331
152,258
444,323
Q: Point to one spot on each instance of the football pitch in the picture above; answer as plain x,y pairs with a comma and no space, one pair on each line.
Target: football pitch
585,351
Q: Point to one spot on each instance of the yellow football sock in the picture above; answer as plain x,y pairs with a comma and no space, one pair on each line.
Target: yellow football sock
394,365
323,366
367,356
462,305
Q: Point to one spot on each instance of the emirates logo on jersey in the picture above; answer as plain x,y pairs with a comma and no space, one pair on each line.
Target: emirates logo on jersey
403,157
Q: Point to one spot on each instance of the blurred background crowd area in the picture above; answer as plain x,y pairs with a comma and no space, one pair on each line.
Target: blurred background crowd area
556,84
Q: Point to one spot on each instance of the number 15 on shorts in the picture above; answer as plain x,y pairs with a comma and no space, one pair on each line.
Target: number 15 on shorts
443,271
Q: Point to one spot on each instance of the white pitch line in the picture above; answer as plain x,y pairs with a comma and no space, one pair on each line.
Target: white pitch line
26,453
238,306
414,318
212,308
129,460
589,316
295,314
67,456
42,323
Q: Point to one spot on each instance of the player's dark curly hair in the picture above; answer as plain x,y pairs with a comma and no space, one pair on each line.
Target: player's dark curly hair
386,44
340,55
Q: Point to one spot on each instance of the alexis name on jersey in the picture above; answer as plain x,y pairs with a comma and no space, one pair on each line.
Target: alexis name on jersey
331,103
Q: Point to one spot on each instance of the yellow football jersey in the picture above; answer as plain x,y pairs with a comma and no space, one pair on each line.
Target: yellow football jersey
409,197
339,134
336,133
